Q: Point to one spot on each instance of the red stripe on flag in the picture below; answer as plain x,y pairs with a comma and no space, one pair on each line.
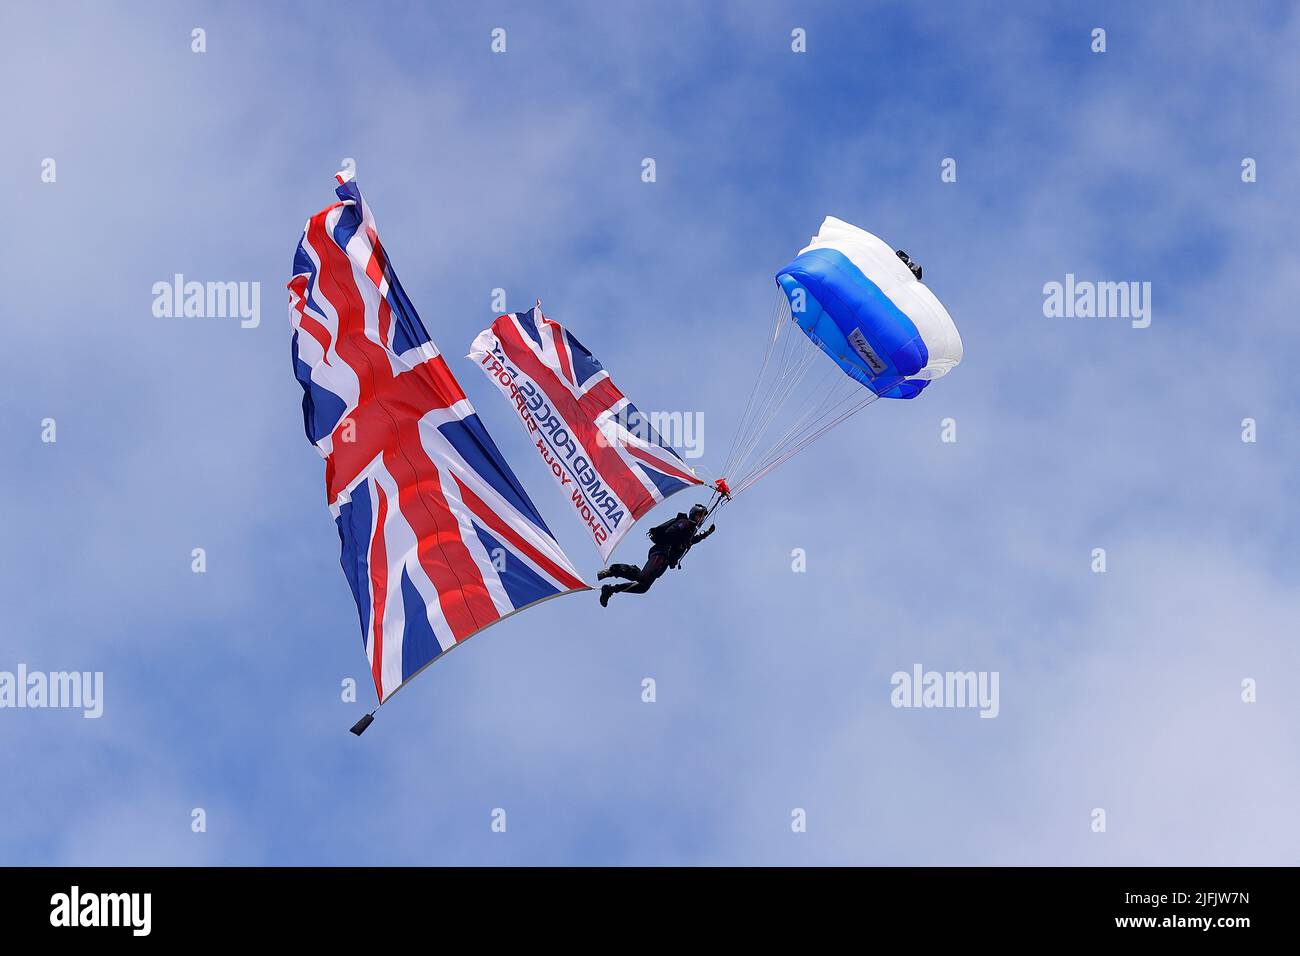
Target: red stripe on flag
298,286
375,273
503,530
385,321
660,465
462,593
580,417
375,267
561,349
443,382
335,266
317,332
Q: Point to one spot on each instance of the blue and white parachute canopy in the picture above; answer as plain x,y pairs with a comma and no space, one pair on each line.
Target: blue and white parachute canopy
861,305
849,298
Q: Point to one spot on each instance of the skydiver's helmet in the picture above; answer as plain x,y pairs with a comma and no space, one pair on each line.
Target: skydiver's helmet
698,513
914,266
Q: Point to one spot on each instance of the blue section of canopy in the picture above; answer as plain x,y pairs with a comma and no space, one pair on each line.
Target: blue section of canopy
848,317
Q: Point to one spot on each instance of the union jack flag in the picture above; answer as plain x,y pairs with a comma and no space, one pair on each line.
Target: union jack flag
439,538
610,462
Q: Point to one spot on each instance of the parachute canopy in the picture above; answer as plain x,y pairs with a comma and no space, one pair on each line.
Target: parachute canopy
859,303
852,324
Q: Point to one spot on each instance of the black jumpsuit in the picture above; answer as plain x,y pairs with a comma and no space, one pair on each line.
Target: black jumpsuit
675,538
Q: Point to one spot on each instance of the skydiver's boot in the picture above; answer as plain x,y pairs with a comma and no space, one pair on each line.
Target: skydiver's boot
629,571
605,592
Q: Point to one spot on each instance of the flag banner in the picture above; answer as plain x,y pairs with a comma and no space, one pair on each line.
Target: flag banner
610,463
439,539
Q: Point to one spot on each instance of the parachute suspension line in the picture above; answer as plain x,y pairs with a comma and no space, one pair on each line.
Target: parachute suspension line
797,357
790,405
750,411
767,469
749,402
780,395
842,391
764,386
830,388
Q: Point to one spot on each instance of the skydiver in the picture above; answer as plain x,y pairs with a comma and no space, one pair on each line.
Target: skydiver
671,540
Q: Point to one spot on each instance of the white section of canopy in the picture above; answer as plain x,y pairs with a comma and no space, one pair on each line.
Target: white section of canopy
879,263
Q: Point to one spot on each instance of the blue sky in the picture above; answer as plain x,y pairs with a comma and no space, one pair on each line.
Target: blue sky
1119,691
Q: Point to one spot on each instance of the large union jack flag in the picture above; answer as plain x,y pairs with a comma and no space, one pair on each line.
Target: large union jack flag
611,464
439,538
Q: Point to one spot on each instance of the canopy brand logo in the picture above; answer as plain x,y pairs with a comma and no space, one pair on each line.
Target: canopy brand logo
863,348
58,689
75,908
179,299
922,688
1098,300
